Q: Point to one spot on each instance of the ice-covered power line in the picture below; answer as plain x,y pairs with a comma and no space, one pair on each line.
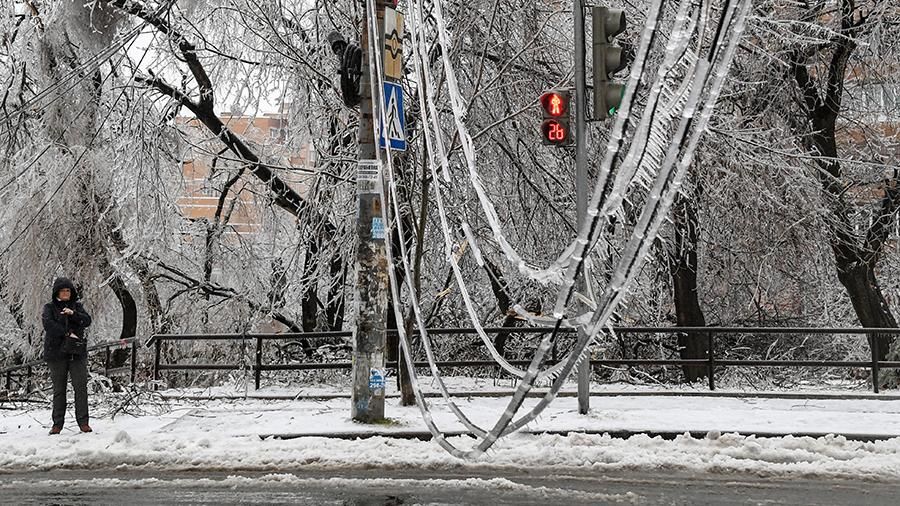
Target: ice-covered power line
75,75
665,174
663,168
96,133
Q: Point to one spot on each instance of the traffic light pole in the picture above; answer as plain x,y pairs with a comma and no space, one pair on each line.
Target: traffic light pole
581,182
367,396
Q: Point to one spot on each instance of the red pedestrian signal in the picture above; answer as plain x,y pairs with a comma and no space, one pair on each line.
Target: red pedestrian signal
554,103
555,109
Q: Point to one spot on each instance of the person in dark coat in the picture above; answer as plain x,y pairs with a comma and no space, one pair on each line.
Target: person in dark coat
65,318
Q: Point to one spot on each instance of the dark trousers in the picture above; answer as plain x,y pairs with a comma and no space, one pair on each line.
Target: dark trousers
60,370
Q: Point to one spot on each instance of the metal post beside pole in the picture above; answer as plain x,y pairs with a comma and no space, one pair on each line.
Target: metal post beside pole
581,185
156,363
875,366
134,345
258,369
711,359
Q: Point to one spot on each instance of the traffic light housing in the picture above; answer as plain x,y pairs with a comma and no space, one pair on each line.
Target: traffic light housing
608,59
555,105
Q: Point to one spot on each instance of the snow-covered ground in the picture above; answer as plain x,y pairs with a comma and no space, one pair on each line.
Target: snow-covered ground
223,434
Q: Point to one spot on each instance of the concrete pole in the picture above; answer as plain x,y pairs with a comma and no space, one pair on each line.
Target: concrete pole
581,181
367,397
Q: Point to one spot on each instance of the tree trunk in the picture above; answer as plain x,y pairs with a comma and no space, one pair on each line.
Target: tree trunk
393,350
855,256
498,286
501,337
309,301
308,306
129,309
404,375
683,267
334,309
120,356
869,304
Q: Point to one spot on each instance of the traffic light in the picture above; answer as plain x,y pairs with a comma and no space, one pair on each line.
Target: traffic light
608,60
555,128
350,62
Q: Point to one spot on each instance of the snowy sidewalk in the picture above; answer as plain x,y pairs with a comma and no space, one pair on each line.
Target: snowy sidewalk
225,434
324,411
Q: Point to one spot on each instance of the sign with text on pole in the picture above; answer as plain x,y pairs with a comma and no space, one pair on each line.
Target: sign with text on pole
395,133
368,186
393,44
368,177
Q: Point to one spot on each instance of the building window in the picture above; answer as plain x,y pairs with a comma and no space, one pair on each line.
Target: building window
276,134
874,100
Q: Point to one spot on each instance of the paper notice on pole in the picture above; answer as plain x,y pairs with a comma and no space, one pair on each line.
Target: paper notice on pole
368,176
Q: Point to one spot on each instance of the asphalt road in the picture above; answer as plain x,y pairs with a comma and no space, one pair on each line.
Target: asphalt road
406,486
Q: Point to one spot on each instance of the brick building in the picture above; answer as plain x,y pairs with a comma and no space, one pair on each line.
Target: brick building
206,168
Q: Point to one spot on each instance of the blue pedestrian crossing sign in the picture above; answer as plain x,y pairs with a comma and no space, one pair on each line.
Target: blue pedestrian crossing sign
394,118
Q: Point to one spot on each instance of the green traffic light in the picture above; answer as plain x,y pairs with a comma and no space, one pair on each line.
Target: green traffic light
614,109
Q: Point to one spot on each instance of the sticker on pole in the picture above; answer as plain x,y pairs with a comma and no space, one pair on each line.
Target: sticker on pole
376,379
377,228
394,118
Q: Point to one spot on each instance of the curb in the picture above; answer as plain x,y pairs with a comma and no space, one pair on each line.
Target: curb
617,434
541,393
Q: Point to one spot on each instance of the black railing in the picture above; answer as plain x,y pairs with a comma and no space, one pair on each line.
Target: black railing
157,340
709,363
28,367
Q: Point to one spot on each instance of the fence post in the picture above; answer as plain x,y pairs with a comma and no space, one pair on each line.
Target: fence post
28,383
134,344
106,363
156,363
711,359
874,340
9,380
257,371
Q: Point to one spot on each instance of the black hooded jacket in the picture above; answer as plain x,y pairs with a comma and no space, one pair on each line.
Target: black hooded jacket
58,325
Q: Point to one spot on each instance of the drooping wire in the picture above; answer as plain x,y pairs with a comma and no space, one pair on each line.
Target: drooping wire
666,186
81,155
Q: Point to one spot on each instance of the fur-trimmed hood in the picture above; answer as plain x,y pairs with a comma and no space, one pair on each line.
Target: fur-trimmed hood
61,283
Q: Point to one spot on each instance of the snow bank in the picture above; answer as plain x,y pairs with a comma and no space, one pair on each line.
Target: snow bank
224,435
827,456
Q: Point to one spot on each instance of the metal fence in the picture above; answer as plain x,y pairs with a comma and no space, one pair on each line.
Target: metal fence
22,373
710,363
710,334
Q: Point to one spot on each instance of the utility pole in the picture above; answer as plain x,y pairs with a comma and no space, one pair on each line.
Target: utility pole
581,185
367,397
